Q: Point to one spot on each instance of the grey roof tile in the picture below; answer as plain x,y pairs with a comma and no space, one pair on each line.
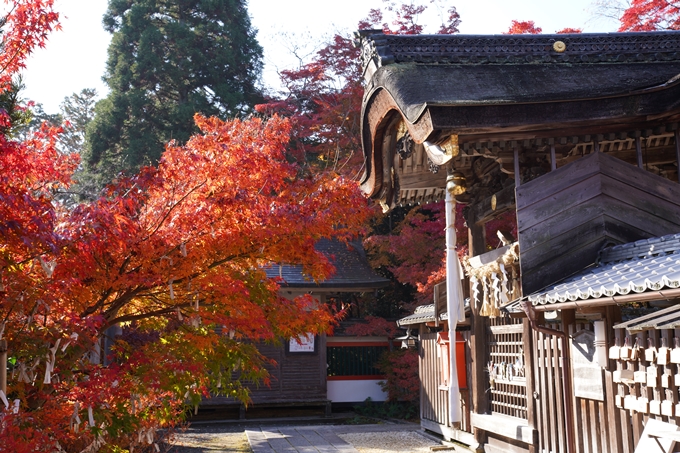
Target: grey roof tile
352,271
636,267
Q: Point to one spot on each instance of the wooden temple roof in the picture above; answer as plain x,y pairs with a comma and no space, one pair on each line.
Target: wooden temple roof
493,95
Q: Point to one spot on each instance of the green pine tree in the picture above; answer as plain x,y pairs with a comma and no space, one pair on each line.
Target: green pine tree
169,59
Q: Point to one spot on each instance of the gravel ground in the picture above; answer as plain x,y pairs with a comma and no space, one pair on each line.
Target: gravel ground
211,439
231,438
394,442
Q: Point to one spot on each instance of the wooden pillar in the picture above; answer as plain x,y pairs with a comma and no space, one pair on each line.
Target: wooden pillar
528,340
638,149
553,160
3,366
518,177
479,379
677,151
568,319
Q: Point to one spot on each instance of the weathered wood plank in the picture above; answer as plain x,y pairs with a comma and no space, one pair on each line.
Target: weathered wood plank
555,182
533,215
585,439
510,427
558,351
613,420
482,212
505,329
574,206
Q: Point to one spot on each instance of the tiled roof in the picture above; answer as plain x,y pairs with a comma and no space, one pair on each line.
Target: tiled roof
423,313
636,267
352,271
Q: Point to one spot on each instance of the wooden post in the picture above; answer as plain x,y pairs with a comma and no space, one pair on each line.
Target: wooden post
3,366
518,178
677,151
553,160
568,319
638,149
528,340
478,379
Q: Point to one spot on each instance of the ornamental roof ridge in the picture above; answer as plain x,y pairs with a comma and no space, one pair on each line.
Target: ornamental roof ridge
575,48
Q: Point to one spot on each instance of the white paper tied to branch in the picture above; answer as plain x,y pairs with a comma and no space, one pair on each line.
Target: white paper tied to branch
2,329
75,419
172,292
179,314
31,372
47,266
51,359
15,406
90,416
183,249
23,376
73,337
3,398
145,435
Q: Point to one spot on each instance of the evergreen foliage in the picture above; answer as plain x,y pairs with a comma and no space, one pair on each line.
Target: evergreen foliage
168,60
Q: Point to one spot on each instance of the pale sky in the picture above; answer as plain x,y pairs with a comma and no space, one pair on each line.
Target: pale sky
75,58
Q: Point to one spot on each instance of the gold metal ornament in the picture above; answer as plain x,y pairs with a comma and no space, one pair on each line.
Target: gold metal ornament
456,184
559,46
450,146
493,202
401,130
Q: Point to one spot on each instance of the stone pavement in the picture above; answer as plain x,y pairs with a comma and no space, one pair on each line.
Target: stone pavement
313,439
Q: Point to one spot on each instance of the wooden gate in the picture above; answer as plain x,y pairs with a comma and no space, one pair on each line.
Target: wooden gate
549,393
599,426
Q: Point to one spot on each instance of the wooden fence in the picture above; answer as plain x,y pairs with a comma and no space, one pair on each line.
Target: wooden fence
505,366
605,426
433,396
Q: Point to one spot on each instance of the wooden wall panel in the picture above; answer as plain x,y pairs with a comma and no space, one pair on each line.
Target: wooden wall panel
294,379
566,216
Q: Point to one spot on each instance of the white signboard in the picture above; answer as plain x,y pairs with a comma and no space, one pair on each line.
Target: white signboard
304,343
588,378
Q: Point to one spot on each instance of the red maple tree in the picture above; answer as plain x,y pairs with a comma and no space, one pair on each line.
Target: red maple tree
520,27
175,255
651,15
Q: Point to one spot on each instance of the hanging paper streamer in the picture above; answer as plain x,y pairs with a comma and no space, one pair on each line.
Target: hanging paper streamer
3,398
172,293
73,337
47,266
183,249
75,419
499,279
49,364
15,406
90,416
